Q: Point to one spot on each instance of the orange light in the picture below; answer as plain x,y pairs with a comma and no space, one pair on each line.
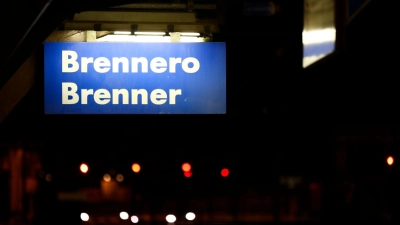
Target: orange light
84,168
187,173
186,167
224,172
107,177
136,167
390,160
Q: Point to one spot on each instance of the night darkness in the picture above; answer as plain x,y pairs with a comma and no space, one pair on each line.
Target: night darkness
333,125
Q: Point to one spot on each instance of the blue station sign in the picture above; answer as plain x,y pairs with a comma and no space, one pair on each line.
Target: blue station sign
134,78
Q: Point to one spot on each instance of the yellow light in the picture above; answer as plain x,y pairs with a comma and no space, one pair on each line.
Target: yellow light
84,168
390,160
135,168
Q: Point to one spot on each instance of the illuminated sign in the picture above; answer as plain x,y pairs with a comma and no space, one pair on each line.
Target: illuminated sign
135,78
319,32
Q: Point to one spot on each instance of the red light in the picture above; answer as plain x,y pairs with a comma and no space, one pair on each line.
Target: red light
187,174
390,160
225,172
186,167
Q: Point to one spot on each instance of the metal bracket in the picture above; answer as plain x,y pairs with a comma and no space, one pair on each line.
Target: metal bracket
171,28
134,28
207,30
97,27
190,5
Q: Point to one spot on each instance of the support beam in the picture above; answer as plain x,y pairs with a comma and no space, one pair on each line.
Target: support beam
182,6
153,17
143,26
91,36
73,35
17,86
36,31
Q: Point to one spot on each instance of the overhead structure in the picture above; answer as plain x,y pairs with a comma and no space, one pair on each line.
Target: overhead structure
148,17
89,20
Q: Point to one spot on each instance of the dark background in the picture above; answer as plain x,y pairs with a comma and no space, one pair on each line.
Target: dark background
281,120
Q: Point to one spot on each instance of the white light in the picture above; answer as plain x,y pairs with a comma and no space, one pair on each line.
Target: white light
190,216
319,36
122,32
123,215
84,217
190,34
192,39
134,219
149,33
132,38
170,218
84,168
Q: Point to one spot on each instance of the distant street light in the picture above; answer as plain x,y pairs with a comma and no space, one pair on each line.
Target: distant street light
390,160
84,168
124,215
170,218
190,216
186,167
187,174
107,177
134,219
224,172
135,168
84,217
